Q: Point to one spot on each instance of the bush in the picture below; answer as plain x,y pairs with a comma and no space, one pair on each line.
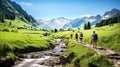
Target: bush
6,30
0,29
99,61
55,30
46,34
4,48
20,27
105,39
77,62
14,31
71,56
91,65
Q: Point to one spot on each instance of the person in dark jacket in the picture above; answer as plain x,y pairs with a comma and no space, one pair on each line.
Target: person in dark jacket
71,35
81,37
94,38
76,36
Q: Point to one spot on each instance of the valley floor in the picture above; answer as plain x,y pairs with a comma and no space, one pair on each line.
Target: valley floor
25,41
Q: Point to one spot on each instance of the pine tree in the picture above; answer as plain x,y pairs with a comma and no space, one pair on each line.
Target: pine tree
10,23
55,30
88,25
85,26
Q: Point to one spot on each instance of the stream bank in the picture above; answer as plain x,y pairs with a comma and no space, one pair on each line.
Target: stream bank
45,58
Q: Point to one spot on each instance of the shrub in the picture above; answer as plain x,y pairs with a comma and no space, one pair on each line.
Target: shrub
91,65
6,30
105,39
20,27
71,56
99,61
76,62
4,48
0,29
55,30
45,34
14,31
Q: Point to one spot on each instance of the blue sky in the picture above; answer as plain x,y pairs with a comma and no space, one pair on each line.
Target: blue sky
48,9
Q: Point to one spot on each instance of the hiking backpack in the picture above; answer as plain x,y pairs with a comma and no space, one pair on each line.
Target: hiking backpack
95,37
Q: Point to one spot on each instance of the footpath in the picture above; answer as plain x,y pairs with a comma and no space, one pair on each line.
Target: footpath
112,55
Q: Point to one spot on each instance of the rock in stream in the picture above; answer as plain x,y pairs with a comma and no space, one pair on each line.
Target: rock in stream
48,58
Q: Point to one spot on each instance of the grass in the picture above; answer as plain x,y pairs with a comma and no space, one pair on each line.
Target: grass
26,40
108,36
22,40
17,23
14,40
85,57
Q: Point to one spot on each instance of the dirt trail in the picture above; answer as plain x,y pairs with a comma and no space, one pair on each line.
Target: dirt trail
112,55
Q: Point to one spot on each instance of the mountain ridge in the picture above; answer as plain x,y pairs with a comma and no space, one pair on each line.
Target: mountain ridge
79,22
11,11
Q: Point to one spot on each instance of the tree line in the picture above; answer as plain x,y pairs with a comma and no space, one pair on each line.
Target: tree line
109,21
87,25
6,14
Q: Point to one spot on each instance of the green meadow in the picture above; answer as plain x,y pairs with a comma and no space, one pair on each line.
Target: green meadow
23,41
14,40
108,36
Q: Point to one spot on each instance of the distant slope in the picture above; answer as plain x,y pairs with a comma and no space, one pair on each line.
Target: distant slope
12,11
79,22
64,23
110,14
114,19
53,23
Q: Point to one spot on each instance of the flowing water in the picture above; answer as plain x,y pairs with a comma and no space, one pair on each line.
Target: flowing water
48,58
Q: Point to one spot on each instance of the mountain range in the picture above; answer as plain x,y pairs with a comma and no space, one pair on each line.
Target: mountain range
54,23
13,12
64,23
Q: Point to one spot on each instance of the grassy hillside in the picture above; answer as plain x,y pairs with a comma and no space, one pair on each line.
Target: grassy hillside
85,57
11,14
109,36
22,41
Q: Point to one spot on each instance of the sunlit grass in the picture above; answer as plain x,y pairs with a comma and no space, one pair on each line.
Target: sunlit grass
85,57
23,39
108,36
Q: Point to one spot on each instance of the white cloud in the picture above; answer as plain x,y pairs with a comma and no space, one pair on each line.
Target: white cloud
85,16
106,17
26,3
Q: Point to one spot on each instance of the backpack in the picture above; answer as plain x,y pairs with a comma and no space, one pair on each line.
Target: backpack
81,34
95,37
76,35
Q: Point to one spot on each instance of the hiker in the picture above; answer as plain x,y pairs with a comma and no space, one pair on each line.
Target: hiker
76,36
81,37
94,37
71,35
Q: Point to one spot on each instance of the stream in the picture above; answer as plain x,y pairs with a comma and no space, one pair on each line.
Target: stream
48,58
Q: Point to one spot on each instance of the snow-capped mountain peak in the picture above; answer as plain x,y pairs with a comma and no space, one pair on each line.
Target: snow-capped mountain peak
111,13
64,23
56,22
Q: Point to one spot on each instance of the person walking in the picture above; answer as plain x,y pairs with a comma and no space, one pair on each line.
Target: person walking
76,36
81,37
94,37
71,35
